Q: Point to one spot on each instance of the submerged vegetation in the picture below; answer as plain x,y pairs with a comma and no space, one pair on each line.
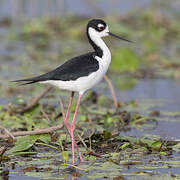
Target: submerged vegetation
100,130
116,143
101,135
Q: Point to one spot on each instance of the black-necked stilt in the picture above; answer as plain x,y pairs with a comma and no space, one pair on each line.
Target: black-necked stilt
80,73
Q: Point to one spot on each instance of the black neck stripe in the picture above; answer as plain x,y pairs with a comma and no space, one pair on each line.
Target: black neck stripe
98,50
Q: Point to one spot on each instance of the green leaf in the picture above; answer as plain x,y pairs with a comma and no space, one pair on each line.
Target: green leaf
46,138
24,143
125,59
1,107
65,156
125,145
157,144
107,135
149,142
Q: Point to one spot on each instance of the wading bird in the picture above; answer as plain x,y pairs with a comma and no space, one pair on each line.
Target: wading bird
80,73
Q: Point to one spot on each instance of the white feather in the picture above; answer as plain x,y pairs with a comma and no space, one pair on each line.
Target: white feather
85,83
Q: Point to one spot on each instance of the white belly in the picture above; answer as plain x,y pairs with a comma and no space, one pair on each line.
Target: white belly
81,84
85,83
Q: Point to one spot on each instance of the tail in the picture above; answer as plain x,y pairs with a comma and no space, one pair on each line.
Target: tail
27,81
43,77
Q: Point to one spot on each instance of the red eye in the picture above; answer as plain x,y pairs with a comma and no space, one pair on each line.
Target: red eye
101,28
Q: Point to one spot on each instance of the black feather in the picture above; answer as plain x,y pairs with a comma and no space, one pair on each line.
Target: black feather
71,70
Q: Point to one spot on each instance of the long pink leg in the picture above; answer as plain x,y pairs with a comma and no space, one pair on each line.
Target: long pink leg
68,112
73,126
68,126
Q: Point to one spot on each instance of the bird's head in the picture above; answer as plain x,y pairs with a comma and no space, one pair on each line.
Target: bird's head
97,28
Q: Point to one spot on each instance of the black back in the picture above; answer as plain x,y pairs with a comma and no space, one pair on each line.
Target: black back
76,67
71,70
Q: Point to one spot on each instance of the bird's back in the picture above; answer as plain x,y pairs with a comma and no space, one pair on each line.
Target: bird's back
72,69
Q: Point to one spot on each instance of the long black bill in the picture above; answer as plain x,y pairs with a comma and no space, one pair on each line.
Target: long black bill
120,37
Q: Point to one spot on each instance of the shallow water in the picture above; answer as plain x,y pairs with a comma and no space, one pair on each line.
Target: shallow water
29,9
150,94
163,95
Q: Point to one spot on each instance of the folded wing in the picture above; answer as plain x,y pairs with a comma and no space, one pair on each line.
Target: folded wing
71,70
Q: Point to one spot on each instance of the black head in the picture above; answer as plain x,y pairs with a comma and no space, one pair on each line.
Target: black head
98,28
97,24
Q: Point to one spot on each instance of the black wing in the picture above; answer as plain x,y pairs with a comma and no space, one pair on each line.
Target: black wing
71,70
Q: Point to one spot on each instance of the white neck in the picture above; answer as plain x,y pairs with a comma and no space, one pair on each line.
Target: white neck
106,56
95,37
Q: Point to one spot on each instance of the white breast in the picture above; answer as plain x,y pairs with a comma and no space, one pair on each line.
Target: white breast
96,38
82,84
85,83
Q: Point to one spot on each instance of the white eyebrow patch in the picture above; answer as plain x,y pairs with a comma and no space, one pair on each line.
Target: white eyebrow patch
100,25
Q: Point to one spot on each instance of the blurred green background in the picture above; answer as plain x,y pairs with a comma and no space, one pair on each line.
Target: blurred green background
37,36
